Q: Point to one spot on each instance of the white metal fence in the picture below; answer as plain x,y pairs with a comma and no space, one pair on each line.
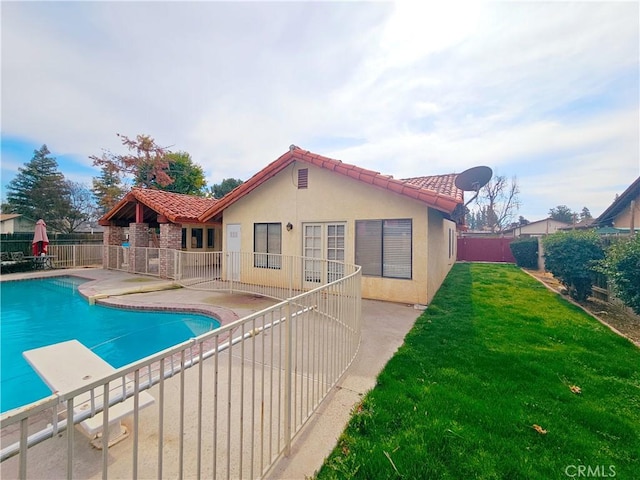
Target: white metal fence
137,260
72,256
251,386
270,275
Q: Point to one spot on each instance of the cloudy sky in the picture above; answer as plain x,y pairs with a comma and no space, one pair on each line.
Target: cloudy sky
547,92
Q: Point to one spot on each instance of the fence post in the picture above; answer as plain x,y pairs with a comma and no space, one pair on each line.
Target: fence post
291,260
287,380
177,259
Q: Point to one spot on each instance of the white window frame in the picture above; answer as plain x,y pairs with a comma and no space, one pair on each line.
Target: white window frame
384,248
323,241
267,245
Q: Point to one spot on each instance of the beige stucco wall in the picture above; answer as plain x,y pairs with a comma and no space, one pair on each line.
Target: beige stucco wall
624,219
331,197
443,249
8,226
543,227
17,225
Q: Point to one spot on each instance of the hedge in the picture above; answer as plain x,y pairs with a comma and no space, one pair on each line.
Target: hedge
525,251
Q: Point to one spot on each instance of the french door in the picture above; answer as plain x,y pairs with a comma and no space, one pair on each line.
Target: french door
321,242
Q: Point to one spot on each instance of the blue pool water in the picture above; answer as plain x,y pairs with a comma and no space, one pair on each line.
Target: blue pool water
35,313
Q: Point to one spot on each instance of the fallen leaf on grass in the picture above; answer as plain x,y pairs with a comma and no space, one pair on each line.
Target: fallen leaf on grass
392,464
539,429
575,389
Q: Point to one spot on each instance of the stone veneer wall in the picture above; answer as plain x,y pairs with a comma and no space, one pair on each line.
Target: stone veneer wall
170,241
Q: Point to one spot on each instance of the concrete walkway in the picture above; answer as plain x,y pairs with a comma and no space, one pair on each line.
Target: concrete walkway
384,328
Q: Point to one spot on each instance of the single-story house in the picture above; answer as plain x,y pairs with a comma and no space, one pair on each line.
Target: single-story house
89,227
624,213
401,232
16,223
538,228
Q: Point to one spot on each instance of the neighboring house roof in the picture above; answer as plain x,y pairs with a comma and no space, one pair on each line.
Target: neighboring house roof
537,223
583,224
440,193
176,207
619,204
8,216
89,227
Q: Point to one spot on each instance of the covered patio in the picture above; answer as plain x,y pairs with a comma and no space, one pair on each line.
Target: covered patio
147,218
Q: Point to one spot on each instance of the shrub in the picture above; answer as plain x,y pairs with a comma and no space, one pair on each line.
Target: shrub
525,251
571,257
622,267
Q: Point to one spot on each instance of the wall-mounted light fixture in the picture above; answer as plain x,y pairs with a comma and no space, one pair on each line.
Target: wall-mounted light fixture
289,227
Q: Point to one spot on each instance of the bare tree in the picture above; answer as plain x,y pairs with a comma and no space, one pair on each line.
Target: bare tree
499,198
82,207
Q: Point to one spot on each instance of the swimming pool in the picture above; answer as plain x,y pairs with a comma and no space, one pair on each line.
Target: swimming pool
35,313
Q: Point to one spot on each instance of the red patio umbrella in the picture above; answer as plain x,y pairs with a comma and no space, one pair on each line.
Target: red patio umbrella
40,239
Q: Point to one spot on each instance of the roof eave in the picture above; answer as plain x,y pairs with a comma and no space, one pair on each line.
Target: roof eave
254,182
105,220
433,199
618,205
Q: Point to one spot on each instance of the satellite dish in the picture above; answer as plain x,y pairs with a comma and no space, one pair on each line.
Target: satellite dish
471,180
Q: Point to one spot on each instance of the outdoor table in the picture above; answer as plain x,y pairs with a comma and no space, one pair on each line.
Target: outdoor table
42,262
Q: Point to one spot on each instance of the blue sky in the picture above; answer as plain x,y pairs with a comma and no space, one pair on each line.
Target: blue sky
547,92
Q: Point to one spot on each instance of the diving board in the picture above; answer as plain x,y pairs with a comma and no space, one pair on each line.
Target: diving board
67,366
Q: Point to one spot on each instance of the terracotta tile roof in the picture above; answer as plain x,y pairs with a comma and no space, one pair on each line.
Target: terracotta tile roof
443,184
438,199
178,208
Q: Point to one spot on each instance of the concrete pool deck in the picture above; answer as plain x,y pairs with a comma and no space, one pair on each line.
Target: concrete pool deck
384,328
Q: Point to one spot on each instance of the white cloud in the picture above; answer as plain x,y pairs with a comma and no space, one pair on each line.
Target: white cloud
408,88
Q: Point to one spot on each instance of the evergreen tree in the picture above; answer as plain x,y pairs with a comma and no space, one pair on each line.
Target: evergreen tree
562,213
219,190
470,220
107,188
39,190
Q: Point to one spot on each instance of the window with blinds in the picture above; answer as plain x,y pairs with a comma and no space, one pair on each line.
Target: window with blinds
267,245
383,247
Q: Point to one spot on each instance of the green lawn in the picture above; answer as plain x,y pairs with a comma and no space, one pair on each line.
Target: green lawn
494,356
